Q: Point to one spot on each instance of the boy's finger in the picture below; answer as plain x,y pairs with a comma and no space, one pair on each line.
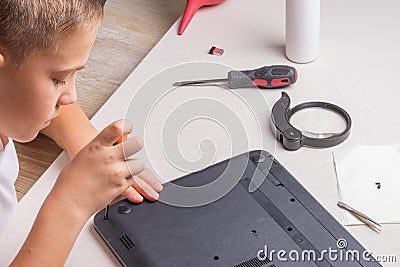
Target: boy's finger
145,189
132,146
133,195
109,135
149,177
135,166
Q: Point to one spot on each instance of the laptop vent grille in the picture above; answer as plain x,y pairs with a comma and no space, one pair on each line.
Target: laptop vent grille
126,241
256,262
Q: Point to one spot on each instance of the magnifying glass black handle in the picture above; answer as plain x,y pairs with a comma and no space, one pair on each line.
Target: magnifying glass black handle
290,137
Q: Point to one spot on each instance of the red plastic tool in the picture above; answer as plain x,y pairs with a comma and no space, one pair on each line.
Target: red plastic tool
191,7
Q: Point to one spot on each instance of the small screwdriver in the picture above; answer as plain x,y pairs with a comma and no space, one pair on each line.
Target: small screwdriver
119,141
267,77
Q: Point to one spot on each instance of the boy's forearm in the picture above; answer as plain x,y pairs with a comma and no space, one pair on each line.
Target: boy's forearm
52,235
71,130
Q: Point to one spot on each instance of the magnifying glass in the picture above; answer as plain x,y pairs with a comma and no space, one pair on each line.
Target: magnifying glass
311,124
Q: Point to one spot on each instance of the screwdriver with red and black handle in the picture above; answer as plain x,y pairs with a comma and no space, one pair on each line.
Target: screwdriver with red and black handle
267,77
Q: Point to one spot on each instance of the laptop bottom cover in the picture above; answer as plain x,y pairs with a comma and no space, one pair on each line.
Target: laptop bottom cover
263,218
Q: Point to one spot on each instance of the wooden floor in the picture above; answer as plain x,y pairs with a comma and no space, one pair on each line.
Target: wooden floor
129,31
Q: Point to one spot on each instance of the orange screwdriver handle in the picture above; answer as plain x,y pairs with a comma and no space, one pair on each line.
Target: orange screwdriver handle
121,139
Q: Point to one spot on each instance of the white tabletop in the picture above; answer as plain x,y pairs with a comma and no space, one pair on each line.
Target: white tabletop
357,69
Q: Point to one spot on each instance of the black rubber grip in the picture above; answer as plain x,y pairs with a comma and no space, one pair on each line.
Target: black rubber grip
268,77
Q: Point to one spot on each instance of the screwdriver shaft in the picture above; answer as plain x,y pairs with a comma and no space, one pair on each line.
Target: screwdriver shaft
199,82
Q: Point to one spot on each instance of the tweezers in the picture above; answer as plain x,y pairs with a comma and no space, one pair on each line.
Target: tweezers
361,216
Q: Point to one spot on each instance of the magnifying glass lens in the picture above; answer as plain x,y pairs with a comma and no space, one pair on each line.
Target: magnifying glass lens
316,122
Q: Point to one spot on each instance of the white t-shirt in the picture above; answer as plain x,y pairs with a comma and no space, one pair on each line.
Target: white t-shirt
8,174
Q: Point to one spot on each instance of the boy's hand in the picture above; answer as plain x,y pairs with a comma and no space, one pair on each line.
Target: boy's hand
99,173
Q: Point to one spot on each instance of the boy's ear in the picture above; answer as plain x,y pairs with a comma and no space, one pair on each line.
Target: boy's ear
2,56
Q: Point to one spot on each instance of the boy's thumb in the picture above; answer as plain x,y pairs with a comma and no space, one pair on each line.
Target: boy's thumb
109,135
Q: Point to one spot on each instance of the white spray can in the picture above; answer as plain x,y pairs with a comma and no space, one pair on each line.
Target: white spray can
302,30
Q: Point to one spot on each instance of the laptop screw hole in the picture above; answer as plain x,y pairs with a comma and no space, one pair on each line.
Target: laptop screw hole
292,200
258,158
289,229
216,258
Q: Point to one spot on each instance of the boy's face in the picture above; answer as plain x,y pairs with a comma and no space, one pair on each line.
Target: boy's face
32,93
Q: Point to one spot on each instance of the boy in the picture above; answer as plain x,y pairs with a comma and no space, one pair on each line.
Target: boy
43,43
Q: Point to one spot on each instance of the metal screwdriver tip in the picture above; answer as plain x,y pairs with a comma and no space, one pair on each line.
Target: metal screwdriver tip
106,212
178,84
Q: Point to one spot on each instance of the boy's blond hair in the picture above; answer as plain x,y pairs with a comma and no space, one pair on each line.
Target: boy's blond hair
30,26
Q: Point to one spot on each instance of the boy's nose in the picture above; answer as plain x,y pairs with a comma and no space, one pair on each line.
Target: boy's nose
68,96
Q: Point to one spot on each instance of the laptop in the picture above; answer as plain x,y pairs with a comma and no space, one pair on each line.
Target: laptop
247,211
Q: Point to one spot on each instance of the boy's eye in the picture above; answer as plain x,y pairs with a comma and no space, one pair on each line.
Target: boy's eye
58,82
